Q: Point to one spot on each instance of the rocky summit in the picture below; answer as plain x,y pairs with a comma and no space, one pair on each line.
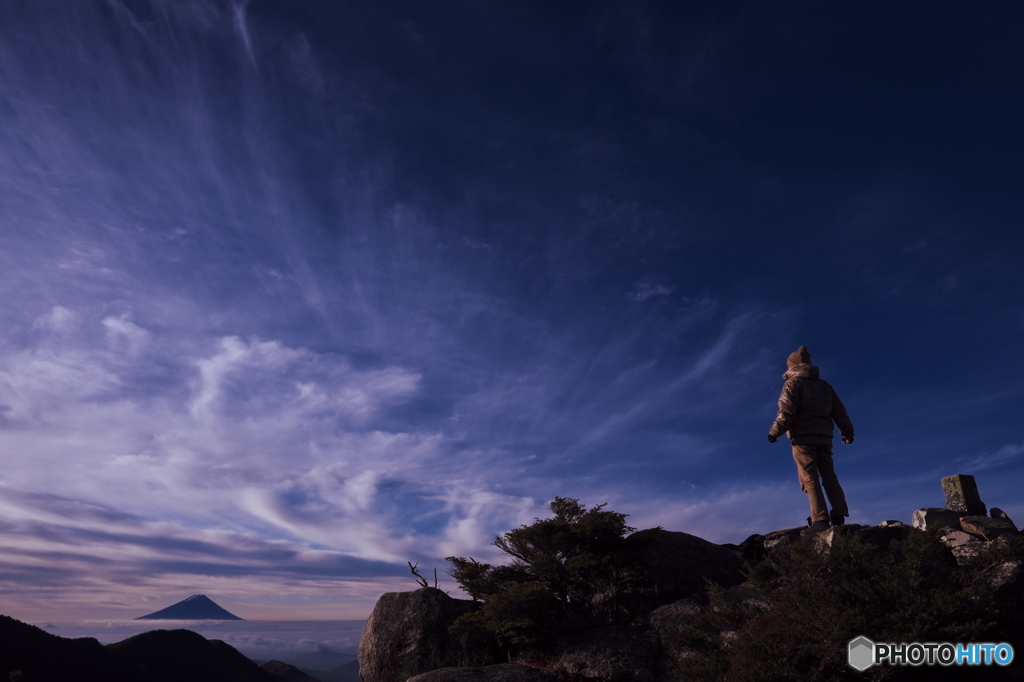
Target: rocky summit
782,605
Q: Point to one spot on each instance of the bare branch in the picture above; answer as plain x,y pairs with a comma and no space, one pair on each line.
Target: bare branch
419,578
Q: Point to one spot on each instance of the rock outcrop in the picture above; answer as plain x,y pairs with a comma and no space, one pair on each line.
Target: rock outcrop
969,530
407,634
987,528
937,564
678,566
782,537
997,513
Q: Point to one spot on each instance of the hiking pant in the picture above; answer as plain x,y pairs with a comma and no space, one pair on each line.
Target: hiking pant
813,461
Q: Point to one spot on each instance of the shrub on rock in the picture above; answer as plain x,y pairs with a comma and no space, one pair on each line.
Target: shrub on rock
567,572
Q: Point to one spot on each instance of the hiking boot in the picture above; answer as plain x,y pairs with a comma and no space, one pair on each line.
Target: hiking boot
838,519
816,527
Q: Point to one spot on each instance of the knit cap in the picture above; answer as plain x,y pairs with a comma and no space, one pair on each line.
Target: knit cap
799,357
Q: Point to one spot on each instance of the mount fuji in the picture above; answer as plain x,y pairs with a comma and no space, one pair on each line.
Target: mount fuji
196,607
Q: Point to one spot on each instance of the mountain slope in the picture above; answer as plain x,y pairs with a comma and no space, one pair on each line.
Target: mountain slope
156,656
174,655
40,656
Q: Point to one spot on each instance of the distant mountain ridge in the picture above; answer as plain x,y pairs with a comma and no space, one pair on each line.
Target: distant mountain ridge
34,655
196,607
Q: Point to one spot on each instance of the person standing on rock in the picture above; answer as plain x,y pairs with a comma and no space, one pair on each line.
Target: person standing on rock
808,407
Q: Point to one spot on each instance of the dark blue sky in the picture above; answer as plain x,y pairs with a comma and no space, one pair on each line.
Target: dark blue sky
296,292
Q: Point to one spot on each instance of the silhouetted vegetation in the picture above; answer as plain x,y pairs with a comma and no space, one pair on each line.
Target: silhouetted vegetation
791,620
811,601
420,580
565,573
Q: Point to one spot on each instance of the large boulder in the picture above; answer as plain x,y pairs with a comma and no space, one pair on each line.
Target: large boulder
957,538
987,528
504,672
753,548
776,541
997,513
965,552
884,537
675,566
823,540
407,634
936,517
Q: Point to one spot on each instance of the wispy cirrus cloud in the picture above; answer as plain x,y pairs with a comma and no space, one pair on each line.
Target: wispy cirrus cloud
342,288
1007,454
256,460
255,440
646,290
219,430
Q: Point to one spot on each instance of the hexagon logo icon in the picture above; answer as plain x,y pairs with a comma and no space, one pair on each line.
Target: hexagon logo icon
861,652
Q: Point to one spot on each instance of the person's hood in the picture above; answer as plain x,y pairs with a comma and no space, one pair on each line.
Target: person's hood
807,371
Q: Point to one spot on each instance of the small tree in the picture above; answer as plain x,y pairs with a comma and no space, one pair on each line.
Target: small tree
565,570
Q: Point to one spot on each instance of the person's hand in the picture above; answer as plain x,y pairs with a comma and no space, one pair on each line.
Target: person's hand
847,440
771,438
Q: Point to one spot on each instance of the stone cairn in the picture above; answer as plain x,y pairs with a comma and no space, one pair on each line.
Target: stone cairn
967,527
964,516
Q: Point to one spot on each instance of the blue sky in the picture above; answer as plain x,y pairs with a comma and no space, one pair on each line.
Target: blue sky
297,292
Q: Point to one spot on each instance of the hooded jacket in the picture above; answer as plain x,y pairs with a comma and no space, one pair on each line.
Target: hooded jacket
808,407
